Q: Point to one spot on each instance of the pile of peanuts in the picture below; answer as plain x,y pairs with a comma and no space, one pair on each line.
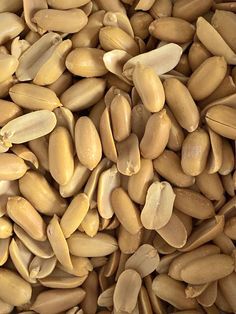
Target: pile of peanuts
117,156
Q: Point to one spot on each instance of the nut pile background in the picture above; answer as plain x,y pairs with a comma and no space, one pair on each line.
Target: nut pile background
117,156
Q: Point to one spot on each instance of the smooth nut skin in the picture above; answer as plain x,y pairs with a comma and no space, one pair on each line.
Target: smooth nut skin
227,286
184,259
60,152
189,10
69,4
149,87
25,215
126,211
56,300
8,66
156,135
193,204
85,246
12,167
14,290
68,21
181,104
5,228
36,189
8,111
221,119
86,62
207,269
173,292
87,143
172,29
210,185
115,38
168,165
76,97
33,97
11,25
195,151
200,85
197,55
138,183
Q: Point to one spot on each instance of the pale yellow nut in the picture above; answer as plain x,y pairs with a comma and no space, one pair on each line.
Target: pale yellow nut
90,224
128,159
40,267
39,147
61,279
5,307
120,111
36,189
8,66
106,134
139,183
210,185
129,243
11,26
86,62
15,290
139,118
12,167
174,232
11,6
21,257
28,127
199,84
195,150
4,252
87,143
61,84
18,46
33,97
126,211
39,248
118,19
56,62
193,203
5,228
36,55
81,266
204,233
172,29
145,260
156,135
149,87
158,206
67,21
55,300
77,96
84,246
108,181
209,295
88,36
126,299
60,152
77,181
213,41
70,4
27,155
161,60
221,120
181,104
74,214
168,165
58,242
25,215
115,38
